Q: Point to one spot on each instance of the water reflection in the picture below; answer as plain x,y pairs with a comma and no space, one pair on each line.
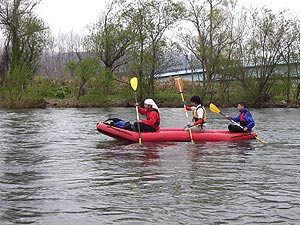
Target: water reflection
143,159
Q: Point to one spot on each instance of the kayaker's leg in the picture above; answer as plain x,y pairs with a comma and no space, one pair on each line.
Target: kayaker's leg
202,129
235,129
144,127
196,129
135,125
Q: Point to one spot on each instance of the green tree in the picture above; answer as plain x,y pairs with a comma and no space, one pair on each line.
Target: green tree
110,40
212,39
150,20
262,53
26,36
84,70
290,55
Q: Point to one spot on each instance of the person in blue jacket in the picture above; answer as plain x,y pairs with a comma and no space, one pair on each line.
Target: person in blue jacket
244,118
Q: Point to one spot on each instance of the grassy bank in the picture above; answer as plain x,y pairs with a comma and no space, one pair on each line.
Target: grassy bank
44,92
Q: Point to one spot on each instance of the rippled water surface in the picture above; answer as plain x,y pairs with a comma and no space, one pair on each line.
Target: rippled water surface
55,168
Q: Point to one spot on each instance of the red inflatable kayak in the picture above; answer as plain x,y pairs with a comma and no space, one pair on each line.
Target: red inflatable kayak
172,134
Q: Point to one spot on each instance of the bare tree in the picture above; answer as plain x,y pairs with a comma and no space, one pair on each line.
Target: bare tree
150,20
290,55
109,40
262,53
64,48
212,39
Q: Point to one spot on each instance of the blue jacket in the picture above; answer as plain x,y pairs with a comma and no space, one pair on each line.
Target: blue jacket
247,117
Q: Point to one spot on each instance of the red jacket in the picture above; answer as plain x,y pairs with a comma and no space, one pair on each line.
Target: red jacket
153,117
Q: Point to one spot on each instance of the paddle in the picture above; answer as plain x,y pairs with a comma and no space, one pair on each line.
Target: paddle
215,109
179,86
134,84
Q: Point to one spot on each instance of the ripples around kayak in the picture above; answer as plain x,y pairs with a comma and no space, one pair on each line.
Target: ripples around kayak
56,169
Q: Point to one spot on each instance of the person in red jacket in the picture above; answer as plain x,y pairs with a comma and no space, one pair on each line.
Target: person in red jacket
151,111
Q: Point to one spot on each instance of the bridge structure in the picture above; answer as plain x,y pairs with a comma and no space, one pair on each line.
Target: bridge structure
191,75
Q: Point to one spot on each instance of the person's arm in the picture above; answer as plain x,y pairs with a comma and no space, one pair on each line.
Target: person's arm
188,108
152,118
198,122
250,120
236,118
142,111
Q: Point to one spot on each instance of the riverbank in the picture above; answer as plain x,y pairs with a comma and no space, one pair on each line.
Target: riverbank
47,93
65,103
71,103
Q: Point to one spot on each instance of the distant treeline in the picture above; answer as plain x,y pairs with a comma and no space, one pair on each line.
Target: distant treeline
144,38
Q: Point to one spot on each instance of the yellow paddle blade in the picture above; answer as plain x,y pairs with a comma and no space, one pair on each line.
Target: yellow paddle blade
257,138
179,84
214,108
134,83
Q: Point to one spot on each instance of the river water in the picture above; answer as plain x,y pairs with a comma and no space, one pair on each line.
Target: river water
55,168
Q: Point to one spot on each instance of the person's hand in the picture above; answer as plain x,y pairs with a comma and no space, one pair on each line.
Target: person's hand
183,103
139,121
136,104
245,129
227,117
190,125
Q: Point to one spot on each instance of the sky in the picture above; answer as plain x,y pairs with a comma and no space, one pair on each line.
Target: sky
65,16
